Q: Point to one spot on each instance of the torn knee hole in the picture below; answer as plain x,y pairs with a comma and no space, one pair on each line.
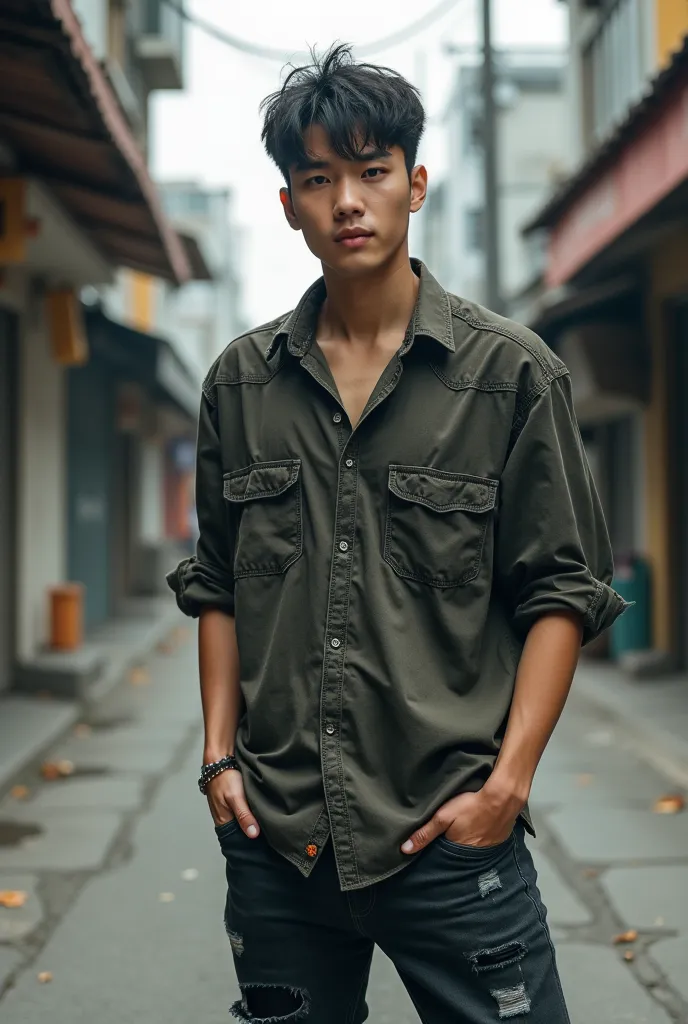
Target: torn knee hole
500,956
269,1004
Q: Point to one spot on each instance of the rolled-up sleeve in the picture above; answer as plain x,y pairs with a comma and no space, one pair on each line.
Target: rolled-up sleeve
206,580
552,548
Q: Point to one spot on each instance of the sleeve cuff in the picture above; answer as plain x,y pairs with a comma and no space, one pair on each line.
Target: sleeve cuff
598,605
197,585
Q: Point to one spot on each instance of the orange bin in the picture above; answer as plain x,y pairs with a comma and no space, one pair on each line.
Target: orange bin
67,616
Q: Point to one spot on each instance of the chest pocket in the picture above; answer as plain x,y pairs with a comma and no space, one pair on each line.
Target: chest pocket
267,496
436,524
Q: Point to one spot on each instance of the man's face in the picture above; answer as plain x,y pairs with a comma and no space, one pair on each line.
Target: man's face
354,214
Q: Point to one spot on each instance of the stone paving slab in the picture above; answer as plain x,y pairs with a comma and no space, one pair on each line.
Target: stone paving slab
595,834
27,727
671,956
69,841
123,753
10,960
644,895
19,922
600,988
563,905
121,794
634,786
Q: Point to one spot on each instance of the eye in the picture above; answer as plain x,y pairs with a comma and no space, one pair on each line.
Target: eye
317,179
374,172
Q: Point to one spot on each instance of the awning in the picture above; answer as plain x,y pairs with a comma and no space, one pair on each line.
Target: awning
638,167
144,358
60,117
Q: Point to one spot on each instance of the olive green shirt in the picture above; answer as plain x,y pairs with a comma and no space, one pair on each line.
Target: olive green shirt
383,579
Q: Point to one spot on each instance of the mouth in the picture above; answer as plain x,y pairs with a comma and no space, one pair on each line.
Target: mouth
354,239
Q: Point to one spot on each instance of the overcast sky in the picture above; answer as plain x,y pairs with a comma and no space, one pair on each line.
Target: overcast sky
210,133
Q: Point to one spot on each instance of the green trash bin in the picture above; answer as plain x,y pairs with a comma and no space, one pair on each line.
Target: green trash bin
632,631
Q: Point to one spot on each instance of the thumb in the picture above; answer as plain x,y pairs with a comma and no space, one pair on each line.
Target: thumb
423,836
243,815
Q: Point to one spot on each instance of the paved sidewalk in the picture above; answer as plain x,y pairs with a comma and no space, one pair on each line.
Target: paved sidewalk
126,884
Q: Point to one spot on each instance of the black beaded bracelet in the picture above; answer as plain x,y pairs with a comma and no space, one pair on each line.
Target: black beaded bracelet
215,768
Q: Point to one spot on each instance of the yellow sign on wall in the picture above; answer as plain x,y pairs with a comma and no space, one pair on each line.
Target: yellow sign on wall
67,329
672,27
13,232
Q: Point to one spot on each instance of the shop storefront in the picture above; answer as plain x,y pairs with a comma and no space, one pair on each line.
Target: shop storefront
8,443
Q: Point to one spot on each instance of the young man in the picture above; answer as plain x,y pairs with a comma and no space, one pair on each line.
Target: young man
401,550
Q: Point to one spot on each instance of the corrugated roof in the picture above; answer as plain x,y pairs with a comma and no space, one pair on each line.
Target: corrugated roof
61,118
637,117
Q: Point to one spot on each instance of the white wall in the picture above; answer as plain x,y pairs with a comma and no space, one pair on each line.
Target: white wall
42,475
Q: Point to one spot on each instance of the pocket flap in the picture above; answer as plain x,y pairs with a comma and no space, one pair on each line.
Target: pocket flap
443,492
261,480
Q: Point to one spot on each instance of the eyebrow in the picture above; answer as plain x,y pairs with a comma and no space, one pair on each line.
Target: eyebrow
306,164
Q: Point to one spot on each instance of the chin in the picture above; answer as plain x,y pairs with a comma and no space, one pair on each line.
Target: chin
353,262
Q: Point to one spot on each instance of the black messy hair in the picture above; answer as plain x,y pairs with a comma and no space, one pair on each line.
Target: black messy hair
358,105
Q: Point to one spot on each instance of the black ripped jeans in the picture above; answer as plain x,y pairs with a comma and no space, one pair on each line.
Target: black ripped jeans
465,927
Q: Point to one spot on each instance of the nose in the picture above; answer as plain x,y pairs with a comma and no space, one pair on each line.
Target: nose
348,200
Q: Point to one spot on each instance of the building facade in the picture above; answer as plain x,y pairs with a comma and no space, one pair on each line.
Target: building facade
612,247
82,396
532,146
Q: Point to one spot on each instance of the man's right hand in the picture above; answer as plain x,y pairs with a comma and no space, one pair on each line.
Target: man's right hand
226,800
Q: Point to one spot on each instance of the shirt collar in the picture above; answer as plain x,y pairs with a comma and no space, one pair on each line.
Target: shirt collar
432,317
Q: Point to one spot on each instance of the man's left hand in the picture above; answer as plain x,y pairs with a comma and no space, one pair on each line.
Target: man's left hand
471,819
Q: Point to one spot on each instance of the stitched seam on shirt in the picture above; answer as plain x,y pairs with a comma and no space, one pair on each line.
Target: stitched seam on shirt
485,325
595,601
474,383
274,569
526,404
349,571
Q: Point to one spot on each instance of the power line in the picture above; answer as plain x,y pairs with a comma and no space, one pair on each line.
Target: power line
283,56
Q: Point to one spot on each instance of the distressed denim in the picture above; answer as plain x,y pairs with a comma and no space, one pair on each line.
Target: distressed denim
464,926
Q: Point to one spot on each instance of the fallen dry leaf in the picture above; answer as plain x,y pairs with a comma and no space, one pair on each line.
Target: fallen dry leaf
623,937
139,676
629,955
51,770
166,897
13,898
45,976
585,780
670,803
190,875
82,729
19,792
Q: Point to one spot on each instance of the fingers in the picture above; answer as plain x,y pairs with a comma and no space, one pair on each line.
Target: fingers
243,815
425,835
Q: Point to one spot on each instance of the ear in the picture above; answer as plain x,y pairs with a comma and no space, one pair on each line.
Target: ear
419,187
288,206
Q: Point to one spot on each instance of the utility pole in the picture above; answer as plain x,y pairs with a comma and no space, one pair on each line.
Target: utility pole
493,295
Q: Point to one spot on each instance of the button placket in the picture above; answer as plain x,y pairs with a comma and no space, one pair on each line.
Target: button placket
333,669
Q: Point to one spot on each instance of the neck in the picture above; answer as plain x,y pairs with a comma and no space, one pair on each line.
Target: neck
367,308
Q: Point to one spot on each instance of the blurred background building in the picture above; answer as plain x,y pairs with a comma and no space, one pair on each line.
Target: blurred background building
115,296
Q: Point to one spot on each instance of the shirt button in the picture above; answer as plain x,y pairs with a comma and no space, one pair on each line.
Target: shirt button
329,729
334,642
337,418
349,463
343,546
